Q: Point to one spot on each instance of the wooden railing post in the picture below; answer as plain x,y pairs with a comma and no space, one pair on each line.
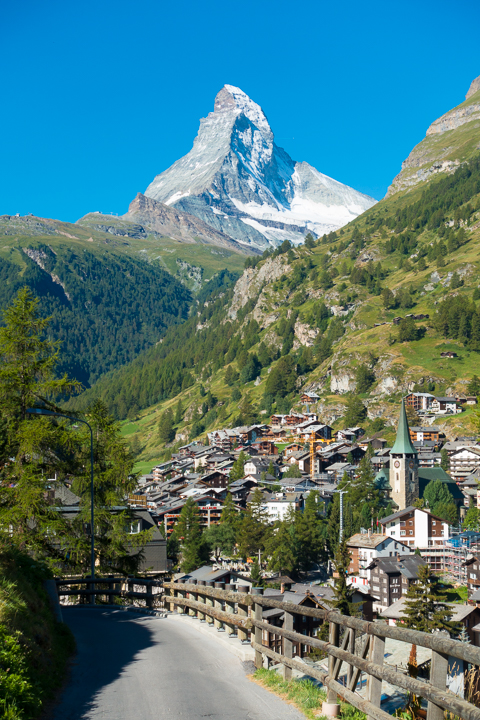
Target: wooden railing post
181,608
331,708
201,599
258,612
230,608
374,685
438,678
191,611
287,645
242,610
209,603
149,591
111,586
219,606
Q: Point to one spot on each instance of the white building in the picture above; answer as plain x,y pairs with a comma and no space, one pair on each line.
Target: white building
365,547
416,528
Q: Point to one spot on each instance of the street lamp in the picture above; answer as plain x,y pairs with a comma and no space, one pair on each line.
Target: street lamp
44,411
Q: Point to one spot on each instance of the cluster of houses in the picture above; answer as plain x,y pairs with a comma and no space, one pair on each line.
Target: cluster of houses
428,404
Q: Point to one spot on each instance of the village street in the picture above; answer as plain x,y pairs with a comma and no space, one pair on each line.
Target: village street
131,667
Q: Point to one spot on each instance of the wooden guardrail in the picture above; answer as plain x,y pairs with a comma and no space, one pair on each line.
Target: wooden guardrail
111,587
242,613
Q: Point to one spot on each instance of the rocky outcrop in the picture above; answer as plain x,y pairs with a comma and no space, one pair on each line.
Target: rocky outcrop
239,182
252,280
304,335
455,118
436,154
177,224
341,382
474,88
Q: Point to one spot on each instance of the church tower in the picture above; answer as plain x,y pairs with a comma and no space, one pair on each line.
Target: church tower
404,465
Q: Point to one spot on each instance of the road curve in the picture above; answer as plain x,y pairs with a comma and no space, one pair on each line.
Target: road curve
132,667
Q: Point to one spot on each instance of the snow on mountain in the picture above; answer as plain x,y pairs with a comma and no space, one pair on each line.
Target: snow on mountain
238,181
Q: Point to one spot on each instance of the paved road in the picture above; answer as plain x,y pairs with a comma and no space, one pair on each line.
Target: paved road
131,667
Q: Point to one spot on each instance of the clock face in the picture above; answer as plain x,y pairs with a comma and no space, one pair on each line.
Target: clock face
411,464
397,463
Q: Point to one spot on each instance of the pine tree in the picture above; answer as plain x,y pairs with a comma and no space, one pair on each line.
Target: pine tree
178,412
253,531
256,574
41,447
445,460
311,545
343,593
425,607
282,548
189,532
166,433
238,469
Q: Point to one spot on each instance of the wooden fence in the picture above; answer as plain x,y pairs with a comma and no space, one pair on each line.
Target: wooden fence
107,589
242,613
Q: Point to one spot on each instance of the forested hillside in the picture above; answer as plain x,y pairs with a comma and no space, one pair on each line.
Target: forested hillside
320,317
110,292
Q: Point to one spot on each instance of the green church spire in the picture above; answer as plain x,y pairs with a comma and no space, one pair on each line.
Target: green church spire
403,444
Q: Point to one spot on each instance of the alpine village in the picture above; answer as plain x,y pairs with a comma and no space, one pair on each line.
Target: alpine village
254,384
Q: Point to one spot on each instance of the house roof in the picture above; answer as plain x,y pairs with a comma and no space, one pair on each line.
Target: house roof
396,611
403,444
362,540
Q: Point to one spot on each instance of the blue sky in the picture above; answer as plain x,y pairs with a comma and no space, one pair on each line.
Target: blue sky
98,98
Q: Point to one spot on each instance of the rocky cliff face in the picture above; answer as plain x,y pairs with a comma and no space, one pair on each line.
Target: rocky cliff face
239,182
450,140
176,224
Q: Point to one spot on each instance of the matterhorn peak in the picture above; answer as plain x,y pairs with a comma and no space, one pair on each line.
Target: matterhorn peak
239,182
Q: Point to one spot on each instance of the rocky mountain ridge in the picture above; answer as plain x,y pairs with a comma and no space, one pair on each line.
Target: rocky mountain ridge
238,181
450,140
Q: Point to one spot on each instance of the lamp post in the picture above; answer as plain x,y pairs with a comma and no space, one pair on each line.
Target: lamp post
44,411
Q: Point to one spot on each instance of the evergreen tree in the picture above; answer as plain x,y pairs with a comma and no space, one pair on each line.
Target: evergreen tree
425,607
238,469
178,413
166,433
293,471
308,526
473,387
343,593
437,492
445,460
282,548
472,518
189,532
356,411
256,574
40,446
253,530
364,377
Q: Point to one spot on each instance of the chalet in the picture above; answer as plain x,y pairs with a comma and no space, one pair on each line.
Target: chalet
310,397
208,573
215,479
448,354
377,443
391,578
365,547
419,401
422,434
464,461
445,406
293,448
320,432
472,565
264,447
416,528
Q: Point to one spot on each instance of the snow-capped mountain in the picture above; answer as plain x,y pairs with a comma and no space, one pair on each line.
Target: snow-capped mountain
238,181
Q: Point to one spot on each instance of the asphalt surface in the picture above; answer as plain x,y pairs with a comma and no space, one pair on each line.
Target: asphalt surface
132,667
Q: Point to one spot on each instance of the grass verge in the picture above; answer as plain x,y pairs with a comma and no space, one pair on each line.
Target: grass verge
304,694
34,647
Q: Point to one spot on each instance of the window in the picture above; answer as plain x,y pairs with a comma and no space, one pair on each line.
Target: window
402,523
433,523
410,532
402,532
